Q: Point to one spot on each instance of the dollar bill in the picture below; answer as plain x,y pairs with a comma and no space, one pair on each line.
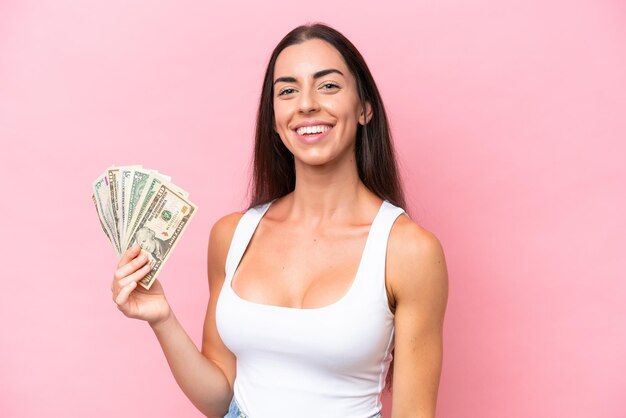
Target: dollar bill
124,179
180,191
137,184
112,174
101,196
148,192
160,227
104,228
137,205
125,176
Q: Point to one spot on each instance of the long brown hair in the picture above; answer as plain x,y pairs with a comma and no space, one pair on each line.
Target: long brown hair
274,175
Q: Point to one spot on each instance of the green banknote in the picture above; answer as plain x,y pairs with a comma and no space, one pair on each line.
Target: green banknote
137,205
160,228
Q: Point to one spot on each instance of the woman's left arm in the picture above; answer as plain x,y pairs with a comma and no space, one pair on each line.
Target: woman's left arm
417,281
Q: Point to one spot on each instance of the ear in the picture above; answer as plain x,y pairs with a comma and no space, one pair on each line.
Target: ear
365,118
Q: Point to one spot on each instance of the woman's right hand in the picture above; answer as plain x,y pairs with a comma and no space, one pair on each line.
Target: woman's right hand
134,301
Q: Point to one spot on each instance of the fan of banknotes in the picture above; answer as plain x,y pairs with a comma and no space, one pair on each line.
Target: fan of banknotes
139,205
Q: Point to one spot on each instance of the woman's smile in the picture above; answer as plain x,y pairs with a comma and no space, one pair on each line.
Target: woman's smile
312,132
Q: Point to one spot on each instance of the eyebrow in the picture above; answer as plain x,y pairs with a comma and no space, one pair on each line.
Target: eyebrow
316,75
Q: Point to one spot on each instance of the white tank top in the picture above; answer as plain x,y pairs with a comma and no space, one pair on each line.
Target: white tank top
320,362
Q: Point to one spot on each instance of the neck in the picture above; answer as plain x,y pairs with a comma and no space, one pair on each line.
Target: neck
325,193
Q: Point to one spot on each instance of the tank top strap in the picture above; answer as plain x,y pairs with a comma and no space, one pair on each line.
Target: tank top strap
375,253
241,238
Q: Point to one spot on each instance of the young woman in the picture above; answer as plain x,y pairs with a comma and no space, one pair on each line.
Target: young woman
324,279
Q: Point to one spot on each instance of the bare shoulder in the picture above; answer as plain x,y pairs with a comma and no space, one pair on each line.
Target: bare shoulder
219,242
224,228
409,241
415,262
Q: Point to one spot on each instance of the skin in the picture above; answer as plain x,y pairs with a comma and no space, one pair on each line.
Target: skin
327,217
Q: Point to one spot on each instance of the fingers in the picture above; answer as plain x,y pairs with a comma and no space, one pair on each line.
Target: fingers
130,266
129,255
136,276
122,296
122,289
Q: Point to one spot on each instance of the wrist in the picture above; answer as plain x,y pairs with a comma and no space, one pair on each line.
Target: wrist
161,323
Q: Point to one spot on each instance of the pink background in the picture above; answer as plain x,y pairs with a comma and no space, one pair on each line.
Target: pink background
510,122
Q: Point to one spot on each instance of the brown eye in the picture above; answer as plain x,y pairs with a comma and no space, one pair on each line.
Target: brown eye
284,92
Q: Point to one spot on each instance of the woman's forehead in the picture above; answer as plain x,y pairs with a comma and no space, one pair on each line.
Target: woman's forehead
307,58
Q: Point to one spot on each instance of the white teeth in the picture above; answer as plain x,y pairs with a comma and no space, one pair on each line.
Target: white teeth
312,129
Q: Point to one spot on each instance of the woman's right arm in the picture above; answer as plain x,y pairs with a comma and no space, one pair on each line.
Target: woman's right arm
206,376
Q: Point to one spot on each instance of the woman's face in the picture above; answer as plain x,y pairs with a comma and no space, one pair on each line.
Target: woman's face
316,104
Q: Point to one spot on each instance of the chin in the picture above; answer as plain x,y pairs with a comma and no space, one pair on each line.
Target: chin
312,157
315,161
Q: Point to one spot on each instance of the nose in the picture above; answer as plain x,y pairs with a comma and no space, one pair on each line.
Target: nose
307,101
